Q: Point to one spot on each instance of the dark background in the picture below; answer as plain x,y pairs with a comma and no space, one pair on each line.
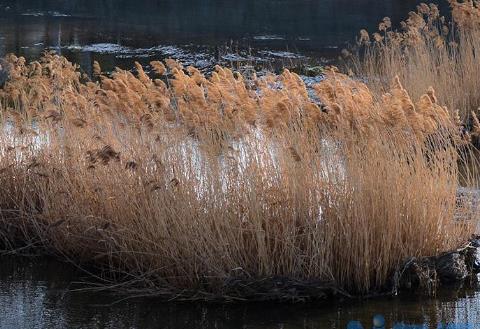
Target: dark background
315,28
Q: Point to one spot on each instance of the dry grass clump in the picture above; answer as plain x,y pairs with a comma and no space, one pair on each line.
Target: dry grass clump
192,182
427,51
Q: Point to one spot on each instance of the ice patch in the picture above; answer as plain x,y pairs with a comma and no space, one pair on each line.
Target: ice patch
235,57
168,50
280,54
311,81
268,37
127,52
102,48
46,13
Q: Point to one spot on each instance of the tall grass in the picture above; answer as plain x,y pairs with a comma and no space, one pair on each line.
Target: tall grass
428,50
189,183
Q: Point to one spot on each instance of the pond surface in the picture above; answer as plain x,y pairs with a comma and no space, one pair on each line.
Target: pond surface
37,293
200,32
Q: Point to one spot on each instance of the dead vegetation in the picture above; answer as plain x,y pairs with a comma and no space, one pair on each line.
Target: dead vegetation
191,183
427,50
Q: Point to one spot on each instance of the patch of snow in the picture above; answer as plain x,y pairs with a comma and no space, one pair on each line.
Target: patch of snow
102,48
280,54
268,37
46,13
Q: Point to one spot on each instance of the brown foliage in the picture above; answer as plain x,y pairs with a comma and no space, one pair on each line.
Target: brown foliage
428,51
195,181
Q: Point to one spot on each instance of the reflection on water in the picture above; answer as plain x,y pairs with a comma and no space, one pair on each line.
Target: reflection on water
35,294
116,32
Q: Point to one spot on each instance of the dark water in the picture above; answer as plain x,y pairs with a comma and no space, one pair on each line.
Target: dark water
38,294
200,32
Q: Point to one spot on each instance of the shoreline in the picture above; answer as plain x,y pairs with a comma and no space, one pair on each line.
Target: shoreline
423,275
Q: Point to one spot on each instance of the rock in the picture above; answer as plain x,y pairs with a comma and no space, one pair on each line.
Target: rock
418,273
451,268
448,268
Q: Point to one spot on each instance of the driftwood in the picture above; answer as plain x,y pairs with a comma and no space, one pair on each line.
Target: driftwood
447,268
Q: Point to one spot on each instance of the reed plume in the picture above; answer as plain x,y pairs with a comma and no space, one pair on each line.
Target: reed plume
426,51
189,182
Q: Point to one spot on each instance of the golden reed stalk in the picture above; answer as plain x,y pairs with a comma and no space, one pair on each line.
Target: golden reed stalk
427,51
190,182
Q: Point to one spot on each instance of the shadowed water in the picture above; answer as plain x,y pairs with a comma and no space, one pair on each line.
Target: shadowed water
36,293
117,32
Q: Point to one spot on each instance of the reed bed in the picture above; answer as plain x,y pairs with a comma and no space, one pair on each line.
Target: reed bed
190,183
426,50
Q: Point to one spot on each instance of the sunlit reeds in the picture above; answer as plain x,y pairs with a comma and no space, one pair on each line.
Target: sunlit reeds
427,50
189,182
